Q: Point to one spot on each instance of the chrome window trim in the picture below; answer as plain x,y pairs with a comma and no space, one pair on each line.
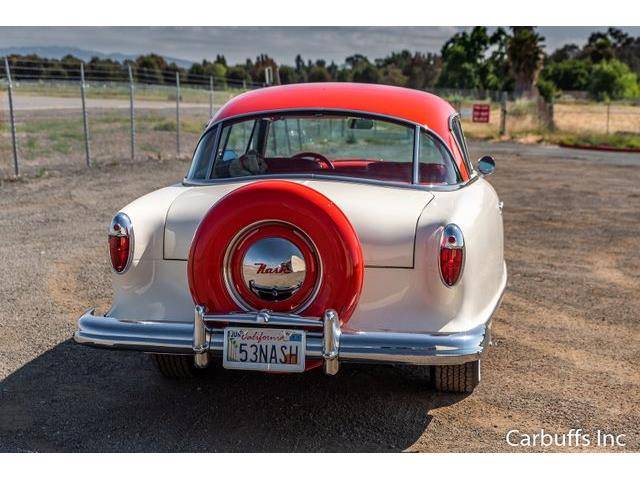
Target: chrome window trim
416,155
464,150
216,142
418,128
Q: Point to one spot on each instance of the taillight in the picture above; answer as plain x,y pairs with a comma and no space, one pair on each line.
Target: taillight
451,254
120,242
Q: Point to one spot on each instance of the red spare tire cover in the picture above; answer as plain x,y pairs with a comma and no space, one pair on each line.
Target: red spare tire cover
306,221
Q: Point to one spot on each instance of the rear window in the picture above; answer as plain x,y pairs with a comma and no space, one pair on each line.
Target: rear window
322,144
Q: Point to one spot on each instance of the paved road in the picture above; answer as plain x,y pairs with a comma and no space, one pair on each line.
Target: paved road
565,354
534,151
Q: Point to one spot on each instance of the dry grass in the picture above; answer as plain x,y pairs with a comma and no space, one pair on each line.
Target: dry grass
593,118
576,123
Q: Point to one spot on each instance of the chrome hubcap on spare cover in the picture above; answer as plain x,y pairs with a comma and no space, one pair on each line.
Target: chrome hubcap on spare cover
273,268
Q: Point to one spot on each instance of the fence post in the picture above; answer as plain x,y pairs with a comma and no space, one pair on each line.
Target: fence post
178,113
552,121
503,114
210,97
85,120
12,117
132,115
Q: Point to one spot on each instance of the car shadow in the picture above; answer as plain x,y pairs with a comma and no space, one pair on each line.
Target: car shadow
72,398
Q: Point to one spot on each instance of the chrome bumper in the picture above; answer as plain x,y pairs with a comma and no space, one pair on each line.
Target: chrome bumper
325,341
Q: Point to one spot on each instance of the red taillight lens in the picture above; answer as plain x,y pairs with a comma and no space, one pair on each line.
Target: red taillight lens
119,251
120,242
451,254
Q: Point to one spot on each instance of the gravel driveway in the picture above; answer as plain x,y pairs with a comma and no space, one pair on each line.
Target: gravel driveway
566,339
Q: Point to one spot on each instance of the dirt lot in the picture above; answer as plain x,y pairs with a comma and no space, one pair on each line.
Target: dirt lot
566,339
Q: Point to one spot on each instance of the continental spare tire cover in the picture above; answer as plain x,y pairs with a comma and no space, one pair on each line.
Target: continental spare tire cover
276,245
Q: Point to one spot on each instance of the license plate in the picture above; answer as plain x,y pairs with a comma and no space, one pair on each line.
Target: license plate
267,349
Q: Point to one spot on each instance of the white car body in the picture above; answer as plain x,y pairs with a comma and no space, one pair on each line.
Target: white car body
406,313
400,238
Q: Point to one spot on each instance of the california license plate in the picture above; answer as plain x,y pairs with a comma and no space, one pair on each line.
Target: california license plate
267,349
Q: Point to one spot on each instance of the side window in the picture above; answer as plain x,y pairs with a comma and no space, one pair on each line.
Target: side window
436,165
234,140
456,129
203,156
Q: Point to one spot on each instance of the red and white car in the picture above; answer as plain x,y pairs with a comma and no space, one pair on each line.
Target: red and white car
318,224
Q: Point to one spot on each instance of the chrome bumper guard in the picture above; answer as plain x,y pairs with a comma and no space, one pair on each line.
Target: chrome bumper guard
326,341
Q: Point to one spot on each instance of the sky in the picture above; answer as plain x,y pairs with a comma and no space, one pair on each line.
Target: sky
282,43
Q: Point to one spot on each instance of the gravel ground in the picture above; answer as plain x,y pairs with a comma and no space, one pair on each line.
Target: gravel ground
566,339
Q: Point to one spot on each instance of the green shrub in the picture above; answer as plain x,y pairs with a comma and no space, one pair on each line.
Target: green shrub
613,80
568,74
547,89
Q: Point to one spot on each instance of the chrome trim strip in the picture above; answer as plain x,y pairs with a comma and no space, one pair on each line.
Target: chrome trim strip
416,156
338,178
264,318
464,151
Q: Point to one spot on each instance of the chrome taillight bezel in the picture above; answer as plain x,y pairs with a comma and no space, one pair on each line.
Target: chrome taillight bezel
121,226
451,238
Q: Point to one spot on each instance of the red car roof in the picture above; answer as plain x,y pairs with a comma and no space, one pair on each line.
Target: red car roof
404,103
412,105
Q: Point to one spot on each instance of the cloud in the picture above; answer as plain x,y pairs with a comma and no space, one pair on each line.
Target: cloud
239,43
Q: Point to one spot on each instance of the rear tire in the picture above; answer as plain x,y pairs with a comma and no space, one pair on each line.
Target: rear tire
456,378
175,367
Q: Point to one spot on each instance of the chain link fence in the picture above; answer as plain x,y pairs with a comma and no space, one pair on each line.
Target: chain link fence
571,114
89,117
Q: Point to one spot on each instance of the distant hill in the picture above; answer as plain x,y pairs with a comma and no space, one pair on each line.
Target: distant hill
86,55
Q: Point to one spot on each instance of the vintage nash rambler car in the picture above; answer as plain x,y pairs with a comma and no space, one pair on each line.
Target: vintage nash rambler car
318,224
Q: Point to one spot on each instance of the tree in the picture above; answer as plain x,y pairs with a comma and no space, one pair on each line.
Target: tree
288,75
495,70
393,76
570,51
613,80
525,53
319,73
150,68
237,75
568,74
357,60
462,56
221,60
366,73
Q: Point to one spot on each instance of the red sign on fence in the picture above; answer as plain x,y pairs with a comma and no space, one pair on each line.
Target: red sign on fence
481,113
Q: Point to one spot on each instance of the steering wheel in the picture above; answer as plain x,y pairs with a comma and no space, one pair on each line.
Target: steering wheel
318,157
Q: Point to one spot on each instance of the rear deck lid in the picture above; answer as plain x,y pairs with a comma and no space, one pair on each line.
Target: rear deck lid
384,218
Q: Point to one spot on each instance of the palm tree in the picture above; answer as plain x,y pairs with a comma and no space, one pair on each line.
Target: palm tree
525,53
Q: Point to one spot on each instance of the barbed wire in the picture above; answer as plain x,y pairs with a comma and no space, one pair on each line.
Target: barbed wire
119,70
